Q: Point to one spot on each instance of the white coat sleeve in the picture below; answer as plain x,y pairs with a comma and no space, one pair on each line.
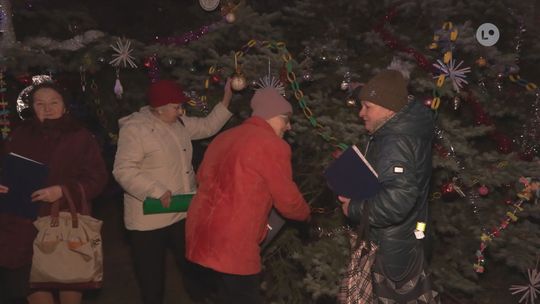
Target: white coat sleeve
199,128
127,164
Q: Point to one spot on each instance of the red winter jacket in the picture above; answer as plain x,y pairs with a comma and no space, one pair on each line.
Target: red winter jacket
245,171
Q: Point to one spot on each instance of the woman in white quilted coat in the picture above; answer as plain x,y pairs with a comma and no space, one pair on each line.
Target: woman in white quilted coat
154,160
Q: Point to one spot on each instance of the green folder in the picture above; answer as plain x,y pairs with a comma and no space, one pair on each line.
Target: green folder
179,203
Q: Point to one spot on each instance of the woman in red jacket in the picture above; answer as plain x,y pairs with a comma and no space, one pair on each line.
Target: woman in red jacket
73,157
245,172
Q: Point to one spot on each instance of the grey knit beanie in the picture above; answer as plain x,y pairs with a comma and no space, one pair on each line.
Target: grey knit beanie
267,103
387,89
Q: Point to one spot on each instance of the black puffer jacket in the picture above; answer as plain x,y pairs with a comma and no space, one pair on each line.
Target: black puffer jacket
400,152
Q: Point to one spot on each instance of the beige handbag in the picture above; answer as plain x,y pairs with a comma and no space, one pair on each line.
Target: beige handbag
68,248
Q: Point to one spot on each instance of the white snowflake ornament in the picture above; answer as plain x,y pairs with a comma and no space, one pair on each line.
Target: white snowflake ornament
531,291
122,57
453,71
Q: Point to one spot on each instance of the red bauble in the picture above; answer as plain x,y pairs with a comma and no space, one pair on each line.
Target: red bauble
150,62
337,153
483,190
215,78
428,101
448,192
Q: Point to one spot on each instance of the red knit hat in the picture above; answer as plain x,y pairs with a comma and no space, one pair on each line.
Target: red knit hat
163,92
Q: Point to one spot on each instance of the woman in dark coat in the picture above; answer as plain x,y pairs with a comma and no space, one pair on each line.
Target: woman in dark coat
73,158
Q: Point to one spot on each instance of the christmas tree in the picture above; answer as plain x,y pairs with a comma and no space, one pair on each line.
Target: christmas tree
484,231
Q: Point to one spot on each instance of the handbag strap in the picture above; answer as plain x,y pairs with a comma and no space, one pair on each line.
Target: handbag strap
84,201
362,230
55,209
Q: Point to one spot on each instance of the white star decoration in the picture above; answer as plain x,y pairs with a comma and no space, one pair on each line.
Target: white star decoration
531,291
456,75
271,82
123,54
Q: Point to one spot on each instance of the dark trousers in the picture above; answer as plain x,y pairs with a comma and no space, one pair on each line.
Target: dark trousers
149,253
238,289
14,286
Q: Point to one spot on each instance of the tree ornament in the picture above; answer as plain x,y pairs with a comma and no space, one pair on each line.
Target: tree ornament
215,78
153,68
448,192
428,101
483,190
118,89
337,153
230,17
269,81
170,62
530,290
351,102
456,102
453,72
209,5
238,82
122,56
227,11
344,85
307,75
481,62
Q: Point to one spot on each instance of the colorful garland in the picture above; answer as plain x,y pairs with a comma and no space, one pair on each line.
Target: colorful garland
291,78
529,86
529,187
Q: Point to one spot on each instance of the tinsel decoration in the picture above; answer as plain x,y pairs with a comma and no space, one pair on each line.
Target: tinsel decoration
4,111
529,188
187,37
529,140
393,43
530,290
22,100
447,150
73,44
7,33
151,63
194,35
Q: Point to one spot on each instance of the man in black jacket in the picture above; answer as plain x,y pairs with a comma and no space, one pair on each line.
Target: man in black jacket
400,152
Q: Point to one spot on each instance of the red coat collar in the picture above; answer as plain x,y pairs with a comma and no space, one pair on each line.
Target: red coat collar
259,122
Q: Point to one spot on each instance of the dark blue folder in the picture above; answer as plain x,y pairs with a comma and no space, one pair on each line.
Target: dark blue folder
351,175
22,176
